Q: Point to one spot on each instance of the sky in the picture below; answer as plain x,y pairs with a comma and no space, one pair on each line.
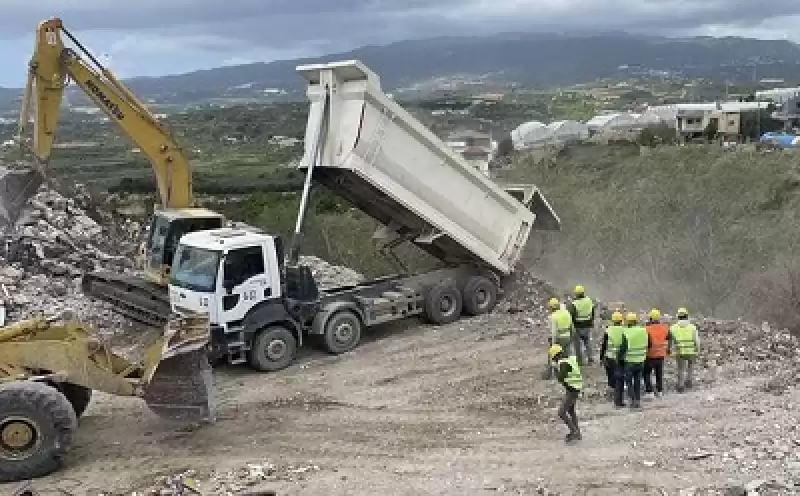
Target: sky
157,37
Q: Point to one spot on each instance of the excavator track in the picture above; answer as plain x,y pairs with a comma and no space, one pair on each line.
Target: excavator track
136,298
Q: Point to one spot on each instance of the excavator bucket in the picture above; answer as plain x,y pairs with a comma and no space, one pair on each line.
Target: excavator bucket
177,377
16,188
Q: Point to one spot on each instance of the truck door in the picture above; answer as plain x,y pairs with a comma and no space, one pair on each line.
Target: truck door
245,282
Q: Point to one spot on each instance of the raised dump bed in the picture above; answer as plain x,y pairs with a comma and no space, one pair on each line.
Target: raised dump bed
376,155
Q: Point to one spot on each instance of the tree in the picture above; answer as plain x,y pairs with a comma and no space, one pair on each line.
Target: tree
711,130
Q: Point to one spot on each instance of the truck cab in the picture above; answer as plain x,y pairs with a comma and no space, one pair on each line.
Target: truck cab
238,278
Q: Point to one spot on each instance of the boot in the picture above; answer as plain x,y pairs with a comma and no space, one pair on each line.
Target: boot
680,389
577,436
659,394
688,385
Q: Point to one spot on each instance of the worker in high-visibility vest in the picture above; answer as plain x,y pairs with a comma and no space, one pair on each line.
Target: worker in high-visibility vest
658,334
561,330
685,340
609,348
582,310
569,375
632,352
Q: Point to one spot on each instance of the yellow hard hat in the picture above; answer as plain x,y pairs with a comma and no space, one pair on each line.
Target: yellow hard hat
616,317
579,289
654,314
553,303
682,312
631,317
554,350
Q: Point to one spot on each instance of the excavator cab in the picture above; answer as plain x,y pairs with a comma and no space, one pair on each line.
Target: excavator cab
166,229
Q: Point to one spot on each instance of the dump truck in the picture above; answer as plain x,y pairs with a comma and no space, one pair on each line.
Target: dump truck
49,368
366,148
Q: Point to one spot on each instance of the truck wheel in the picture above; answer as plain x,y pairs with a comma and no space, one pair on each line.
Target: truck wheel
37,426
342,332
273,349
443,304
78,396
480,296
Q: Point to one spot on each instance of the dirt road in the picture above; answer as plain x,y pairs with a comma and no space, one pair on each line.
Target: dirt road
455,410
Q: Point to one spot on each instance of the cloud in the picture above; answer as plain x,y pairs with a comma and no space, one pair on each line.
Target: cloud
152,37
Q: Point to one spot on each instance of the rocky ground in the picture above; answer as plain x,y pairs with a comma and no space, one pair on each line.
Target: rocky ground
453,410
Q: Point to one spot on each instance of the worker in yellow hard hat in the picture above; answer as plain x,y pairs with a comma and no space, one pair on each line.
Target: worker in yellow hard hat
561,330
685,340
658,334
609,348
582,309
569,375
632,352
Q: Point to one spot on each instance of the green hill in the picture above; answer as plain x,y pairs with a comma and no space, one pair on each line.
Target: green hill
699,226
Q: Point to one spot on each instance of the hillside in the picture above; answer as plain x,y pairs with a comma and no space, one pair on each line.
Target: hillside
529,59
712,229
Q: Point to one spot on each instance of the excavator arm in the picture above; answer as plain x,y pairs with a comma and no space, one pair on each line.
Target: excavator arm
52,66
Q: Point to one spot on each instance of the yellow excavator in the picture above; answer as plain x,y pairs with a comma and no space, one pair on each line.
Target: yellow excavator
53,65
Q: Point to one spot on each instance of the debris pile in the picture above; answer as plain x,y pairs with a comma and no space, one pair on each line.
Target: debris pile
330,276
56,240
253,479
527,293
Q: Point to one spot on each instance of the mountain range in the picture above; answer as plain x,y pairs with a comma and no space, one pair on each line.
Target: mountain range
528,59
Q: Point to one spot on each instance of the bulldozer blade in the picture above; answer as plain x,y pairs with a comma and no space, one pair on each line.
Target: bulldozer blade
180,386
16,188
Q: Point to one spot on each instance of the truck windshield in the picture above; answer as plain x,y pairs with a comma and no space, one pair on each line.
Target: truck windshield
195,269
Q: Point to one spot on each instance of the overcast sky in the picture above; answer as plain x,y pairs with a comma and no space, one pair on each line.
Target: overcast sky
155,37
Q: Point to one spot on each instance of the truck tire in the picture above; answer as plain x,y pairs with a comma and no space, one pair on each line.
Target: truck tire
480,295
443,304
273,348
78,396
342,332
37,427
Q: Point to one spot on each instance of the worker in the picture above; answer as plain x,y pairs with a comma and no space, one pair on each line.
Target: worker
657,334
684,338
569,375
561,330
582,310
612,338
631,354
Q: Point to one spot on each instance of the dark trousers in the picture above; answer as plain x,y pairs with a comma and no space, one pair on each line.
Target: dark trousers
654,366
633,379
567,410
617,372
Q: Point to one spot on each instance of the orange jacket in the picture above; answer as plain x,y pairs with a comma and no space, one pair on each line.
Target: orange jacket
658,340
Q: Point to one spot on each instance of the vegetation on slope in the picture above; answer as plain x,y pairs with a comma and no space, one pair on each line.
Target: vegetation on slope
698,226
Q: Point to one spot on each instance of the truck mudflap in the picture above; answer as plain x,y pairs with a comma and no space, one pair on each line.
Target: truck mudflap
178,379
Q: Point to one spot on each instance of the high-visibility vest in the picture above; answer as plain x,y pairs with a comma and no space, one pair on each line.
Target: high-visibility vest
583,309
683,334
637,344
658,340
613,341
574,378
563,321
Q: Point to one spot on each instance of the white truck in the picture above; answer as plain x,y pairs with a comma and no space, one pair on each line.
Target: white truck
363,146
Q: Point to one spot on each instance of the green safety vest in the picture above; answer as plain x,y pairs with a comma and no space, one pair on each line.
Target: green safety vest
683,335
637,344
614,334
563,321
583,309
573,379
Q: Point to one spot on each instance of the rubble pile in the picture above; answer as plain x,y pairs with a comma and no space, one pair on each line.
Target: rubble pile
749,349
56,240
525,292
330,276
253,479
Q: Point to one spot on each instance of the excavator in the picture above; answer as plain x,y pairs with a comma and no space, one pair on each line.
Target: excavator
143,299
49,367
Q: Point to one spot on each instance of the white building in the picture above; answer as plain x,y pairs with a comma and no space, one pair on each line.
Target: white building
621,121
